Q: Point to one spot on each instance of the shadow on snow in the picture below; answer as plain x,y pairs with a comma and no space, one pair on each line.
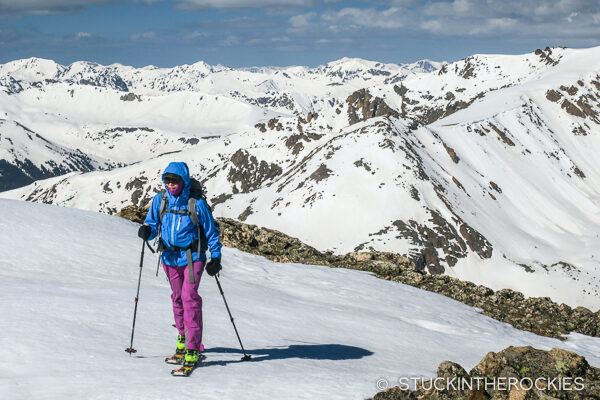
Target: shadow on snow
306,351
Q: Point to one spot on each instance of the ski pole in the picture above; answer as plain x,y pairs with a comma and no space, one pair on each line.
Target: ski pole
246,356
158,264
130,349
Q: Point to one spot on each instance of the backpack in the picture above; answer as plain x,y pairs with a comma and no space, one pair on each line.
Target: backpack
201,245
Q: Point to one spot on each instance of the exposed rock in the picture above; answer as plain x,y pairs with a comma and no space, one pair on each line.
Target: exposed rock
451,153
274,124
468,71
137,194
248,173
442,235
494,186
572,109
362,106
553,95
571,90
321,173
502,135
131,97
515,373
133,213
545,56
246,213
261,127
476,241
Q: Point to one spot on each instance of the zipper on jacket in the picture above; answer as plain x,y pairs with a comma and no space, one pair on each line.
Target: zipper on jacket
173,224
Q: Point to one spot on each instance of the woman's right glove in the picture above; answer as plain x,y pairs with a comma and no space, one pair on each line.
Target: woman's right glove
144,232
213,266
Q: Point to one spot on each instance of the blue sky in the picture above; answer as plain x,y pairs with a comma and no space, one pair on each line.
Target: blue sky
288,32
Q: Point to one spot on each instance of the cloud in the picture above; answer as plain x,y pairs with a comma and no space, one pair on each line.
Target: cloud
230,41
570,17
302,20
333,41
524,18
534,10
255,41
48,7
195,35
232,4
350,18
81,35
143,36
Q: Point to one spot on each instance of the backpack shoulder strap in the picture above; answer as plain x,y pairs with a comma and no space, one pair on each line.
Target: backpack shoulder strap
192,210
193,213
163,207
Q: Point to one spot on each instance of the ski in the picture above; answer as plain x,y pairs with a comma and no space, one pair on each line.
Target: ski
175,359
184,371
187,368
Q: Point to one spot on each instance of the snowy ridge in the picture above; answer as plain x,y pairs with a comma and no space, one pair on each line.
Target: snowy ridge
26,156
306,339
484,169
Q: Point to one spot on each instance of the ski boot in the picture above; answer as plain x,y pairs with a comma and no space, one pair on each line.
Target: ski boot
191,360
179,355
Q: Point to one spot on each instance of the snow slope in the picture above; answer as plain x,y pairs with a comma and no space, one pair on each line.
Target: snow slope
68,284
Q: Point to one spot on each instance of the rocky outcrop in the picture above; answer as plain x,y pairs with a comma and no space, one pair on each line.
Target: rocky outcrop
248,173
131,97
535,314
515,373
362,106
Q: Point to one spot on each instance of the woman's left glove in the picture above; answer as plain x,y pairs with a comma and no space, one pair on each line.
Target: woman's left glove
144,232
213,267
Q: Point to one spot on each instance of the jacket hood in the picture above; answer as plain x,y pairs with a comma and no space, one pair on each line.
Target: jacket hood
181,169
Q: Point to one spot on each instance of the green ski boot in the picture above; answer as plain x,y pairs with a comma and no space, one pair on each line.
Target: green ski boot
191,360
179,355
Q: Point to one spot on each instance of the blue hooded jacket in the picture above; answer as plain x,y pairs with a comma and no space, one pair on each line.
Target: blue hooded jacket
179,230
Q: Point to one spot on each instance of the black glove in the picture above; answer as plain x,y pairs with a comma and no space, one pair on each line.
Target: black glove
144,232
213,267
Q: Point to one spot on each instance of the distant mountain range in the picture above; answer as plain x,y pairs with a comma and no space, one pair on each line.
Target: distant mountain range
485,169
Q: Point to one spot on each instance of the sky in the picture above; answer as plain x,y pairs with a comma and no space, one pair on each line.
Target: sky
242,33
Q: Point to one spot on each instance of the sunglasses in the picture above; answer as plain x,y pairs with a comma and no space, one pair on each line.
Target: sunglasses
172,179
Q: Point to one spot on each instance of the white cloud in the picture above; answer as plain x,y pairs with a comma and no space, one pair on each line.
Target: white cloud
48,7
570,17
194,35
230,41
228,4
350,18
526,18
433,26
256,41
143,36
328,41
494,25
302,20
81,35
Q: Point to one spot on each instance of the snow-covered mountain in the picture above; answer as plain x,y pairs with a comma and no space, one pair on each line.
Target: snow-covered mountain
484,169
67,316
27,157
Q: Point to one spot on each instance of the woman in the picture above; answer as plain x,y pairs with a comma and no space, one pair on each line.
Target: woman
182,258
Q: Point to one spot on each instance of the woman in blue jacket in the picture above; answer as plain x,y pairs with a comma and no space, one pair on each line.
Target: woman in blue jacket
183,253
